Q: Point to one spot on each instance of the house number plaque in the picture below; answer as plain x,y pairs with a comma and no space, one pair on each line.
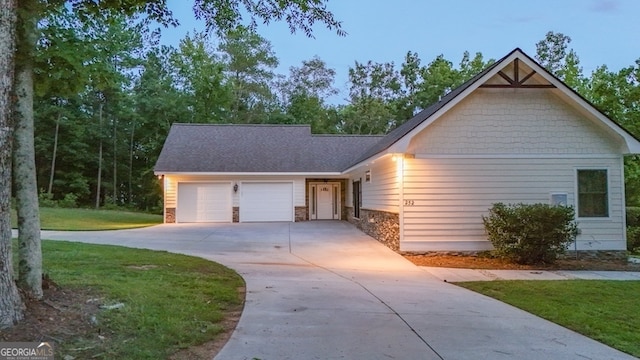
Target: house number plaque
409,203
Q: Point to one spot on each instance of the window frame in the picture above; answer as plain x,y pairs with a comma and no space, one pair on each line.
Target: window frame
356,197
607,196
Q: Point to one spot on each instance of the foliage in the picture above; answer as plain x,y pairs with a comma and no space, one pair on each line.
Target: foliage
606,311
45,199
221,15
633,228
69,200
143,88
154,323
249,64
633,216
530,234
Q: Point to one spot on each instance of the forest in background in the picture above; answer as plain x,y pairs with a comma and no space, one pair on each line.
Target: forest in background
106,94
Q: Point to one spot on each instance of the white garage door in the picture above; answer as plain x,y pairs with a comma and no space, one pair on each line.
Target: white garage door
269,201
204,202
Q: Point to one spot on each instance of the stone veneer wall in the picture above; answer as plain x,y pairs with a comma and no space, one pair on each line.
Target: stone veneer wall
170,215
236,214
380,225
301,213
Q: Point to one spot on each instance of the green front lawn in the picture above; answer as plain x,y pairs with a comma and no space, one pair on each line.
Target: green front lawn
607,311
169,301
88,219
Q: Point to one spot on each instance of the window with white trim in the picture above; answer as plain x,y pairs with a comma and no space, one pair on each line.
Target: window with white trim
593,193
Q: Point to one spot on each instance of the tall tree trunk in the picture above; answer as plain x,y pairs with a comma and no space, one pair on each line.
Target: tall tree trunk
133,127
115,160
24,159
53,158
11,306
99,160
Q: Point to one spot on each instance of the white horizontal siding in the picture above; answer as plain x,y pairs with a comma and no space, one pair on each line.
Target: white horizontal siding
171,182
450,196
170,192
382,192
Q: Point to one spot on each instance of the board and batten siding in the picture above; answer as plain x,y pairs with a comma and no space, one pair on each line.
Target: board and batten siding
171,186
511,146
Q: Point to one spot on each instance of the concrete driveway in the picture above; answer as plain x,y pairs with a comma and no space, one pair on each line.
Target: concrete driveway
324,290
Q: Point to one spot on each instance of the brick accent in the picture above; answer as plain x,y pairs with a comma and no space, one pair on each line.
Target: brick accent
236,214
380,225
170,215
301,213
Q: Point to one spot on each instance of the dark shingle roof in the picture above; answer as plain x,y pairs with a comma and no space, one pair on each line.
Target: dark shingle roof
258,148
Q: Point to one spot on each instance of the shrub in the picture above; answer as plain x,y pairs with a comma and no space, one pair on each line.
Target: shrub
45,199
633,216
70,200
633,228
530,234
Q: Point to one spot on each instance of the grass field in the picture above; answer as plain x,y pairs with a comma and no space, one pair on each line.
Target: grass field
607,311
169,301
89,219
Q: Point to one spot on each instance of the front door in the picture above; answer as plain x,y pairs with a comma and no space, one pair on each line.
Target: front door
324,201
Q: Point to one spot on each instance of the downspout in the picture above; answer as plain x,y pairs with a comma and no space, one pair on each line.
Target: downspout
624,202
163,183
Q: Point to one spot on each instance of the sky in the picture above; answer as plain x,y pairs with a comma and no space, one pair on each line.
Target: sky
603,32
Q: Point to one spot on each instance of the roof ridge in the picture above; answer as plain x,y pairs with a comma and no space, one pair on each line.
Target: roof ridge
243,125
348,135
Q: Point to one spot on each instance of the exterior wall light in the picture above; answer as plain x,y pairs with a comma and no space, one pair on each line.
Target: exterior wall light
235,188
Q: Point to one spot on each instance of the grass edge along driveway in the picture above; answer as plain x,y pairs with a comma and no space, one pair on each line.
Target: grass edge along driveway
606,311
65,219
169,301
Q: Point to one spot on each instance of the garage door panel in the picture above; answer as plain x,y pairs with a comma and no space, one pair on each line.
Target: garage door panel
269,201
204,202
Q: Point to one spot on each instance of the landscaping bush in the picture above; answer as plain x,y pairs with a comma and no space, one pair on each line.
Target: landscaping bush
633,238
530,234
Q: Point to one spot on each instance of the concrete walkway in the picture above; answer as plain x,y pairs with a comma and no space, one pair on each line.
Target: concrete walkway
461,275
324,290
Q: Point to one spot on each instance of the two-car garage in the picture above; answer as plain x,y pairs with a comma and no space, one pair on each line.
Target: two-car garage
214,201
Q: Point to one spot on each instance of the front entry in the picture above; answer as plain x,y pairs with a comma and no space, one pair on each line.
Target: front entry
324,201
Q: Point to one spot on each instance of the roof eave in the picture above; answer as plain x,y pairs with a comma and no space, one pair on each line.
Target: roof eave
244,173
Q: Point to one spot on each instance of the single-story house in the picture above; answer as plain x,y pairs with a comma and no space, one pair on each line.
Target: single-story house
514,133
